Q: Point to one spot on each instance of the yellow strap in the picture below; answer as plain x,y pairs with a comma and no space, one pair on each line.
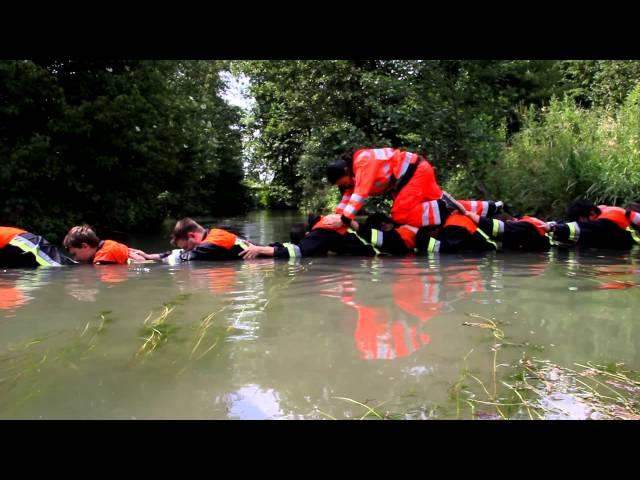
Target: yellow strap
552,241
364,241
634,234
486,237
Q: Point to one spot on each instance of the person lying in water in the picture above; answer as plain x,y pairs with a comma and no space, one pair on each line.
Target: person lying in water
524,234
19,248
600,226
378,234
328,234
195,242
459,233
86,247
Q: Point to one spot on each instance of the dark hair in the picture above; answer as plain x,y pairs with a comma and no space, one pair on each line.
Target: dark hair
634,206
341,166
504,216
183,228
375,220
581,208
312,219
79,235
297,232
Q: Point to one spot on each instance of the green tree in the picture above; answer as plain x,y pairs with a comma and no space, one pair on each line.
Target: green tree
118,144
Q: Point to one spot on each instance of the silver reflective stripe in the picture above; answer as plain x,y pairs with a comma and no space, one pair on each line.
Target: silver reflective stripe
30,247
425,213
574,231
386,169
635,218
384,351
407,337
358,198
431,293
341,205
474,206
485,208
376,237
405,163
436,212
350,209
380,154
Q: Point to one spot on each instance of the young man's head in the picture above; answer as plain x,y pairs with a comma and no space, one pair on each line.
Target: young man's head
187,234
82,243
340,171
505,217
380,221
634,206
582,211
297,232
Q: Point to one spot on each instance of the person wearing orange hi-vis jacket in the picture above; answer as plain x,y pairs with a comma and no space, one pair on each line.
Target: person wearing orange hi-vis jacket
600,226
408,176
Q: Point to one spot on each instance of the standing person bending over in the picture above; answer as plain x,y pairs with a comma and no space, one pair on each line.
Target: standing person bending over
409,177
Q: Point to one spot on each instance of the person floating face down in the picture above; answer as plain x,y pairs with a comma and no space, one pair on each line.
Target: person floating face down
458,234
86,247
374,171
524,234
377,235
20,248
478,209
197,243
601,226
327,234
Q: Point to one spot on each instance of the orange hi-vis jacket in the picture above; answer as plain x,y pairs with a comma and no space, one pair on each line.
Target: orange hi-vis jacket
374,170
323,225
536,222
7,234
459,220
221,238
408,236
616,215
112,252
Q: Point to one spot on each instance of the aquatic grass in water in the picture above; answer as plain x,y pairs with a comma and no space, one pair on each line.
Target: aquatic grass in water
156,332
539,389
26,365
